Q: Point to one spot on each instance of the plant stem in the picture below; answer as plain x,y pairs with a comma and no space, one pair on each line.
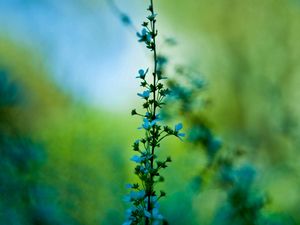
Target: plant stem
150,191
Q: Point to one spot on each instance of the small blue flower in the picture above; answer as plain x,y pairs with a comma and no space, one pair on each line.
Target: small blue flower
133,196
147,124
178,127
130,210
145,94
128,186
144,31
136,159
148,37
142,73
154,201
144,170
156,215
181,134
147,214
144,36
127,198
137,195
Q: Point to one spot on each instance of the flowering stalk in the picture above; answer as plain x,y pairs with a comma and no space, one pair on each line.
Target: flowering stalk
143,196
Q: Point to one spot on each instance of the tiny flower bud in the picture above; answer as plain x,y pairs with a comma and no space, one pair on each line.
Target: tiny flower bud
162,193
133,112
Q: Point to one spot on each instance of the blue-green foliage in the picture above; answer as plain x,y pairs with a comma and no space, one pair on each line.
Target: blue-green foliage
245,202
24,199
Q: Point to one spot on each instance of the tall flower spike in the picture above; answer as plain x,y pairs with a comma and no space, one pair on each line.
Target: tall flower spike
143,196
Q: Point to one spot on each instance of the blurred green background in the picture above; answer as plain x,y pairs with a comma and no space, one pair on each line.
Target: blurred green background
67,86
